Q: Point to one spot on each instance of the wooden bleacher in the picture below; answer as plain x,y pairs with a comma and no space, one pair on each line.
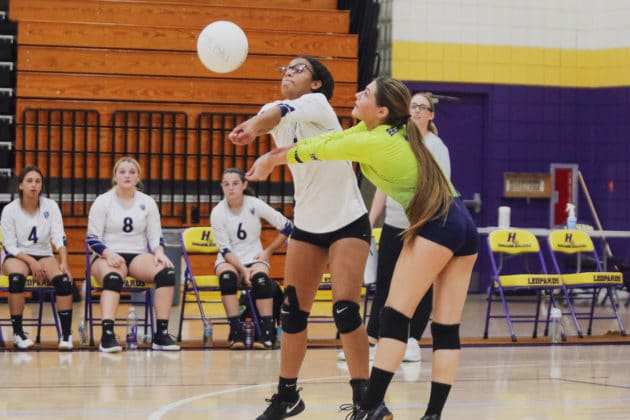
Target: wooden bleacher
110,55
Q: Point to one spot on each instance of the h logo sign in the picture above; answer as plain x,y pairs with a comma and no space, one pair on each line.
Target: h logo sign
568,237
511,237
205,235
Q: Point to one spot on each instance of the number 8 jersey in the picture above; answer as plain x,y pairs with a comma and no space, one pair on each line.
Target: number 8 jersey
133,229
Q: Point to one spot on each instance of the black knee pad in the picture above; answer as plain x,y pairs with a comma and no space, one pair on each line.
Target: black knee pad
17,282
228,282
261,286
63,285
164,278
445,337
394,325
113,281
347,316
293,319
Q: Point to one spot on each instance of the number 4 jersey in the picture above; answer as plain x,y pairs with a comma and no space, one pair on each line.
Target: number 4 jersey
32,233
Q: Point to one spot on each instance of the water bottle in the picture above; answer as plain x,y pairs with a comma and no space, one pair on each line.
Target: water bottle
279,334
132,329
207,334
83,338
571,219
250,333
556,315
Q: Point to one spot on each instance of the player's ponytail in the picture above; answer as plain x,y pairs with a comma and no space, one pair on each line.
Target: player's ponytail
432,196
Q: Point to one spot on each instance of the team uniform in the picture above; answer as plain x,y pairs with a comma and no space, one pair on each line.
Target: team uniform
128,231
239,233
34,233
125,230
389,163
391,243
319,208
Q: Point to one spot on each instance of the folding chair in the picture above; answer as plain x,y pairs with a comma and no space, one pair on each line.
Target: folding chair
93,287
200,240
518,266
44,289
578,249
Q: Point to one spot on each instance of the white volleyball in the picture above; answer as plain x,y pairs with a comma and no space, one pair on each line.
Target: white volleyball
222,46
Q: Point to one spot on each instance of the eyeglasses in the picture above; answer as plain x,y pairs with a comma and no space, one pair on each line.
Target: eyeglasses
420,107
295,69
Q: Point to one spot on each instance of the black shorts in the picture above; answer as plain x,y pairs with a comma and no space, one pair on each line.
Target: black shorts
458,232
360,229
36,257
127,257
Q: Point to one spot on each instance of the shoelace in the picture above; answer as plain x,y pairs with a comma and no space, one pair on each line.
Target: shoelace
348,407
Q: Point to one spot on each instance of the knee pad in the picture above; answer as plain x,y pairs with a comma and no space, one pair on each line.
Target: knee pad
164,278
445,337
347,316
63,285
394,325
293,319
261,286
17,282
113,281
228,282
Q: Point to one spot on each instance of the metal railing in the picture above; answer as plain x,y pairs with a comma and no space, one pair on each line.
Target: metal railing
182,165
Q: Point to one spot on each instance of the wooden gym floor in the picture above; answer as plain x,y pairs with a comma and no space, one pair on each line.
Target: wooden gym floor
532,379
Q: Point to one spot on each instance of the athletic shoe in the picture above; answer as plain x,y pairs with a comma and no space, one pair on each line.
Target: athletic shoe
262,344
412,353
279,410
431,417
381,412
341,356
237,340
109,344
65,344
22,342
165,342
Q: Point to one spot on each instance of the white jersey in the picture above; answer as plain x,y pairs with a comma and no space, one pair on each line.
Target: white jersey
239,232
327,196
32,233
395,214
135,229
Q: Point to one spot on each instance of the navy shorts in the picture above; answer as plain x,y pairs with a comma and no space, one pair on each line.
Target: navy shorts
458,232
359,229
127,257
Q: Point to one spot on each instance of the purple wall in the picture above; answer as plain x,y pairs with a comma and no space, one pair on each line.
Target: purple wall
525,129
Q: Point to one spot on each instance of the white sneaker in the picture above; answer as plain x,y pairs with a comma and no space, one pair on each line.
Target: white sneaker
412,354
341,356
22,343
65,344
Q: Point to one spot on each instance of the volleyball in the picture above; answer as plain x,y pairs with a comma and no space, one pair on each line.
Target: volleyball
222,46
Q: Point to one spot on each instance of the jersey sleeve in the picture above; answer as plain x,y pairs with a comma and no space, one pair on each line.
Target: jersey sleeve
154,225
58,234
9,234
96,225
219,230
354,144
273,216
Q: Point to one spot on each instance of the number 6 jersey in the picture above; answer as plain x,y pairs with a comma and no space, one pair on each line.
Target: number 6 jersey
239,232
